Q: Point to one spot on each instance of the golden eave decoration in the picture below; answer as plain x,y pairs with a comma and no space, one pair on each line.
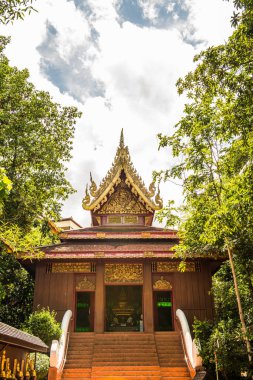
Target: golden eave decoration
85,284
162,284
95,196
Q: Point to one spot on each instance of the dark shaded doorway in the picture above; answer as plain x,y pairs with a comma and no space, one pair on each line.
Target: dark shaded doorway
124,308
163,311
84,311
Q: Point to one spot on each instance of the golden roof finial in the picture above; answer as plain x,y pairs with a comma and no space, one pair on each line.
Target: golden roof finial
121,142
93,186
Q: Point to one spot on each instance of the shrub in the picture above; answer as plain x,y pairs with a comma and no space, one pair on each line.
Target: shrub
42,365
42,323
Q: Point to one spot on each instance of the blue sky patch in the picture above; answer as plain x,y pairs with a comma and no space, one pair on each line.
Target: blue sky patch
164,13
74,76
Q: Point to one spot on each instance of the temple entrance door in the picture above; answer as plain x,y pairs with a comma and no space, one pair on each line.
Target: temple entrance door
163,311
84,311
124,308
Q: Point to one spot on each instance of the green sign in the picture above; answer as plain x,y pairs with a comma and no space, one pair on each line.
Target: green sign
82,305
164,304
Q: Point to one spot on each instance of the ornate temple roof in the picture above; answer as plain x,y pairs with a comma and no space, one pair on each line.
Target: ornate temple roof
122,178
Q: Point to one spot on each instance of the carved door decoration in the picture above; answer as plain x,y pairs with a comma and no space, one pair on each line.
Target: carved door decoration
124,273
85,284
162,284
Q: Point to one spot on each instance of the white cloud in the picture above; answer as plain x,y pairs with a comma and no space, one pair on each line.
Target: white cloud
138,67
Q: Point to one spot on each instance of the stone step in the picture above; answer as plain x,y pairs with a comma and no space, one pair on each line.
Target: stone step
125,356
133,355
123,363
132,377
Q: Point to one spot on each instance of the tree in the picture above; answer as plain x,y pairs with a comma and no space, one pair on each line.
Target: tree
221,345
36,140
16,291
213,143
11,10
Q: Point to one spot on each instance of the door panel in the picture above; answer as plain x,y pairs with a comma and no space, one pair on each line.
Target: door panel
84,311
163,311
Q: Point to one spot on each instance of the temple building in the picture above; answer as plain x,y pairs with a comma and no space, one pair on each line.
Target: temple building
120,274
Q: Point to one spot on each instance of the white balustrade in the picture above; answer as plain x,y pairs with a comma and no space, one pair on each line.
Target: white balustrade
58,348
191,348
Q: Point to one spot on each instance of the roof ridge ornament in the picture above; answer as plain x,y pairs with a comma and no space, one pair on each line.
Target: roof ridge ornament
93,186
121,141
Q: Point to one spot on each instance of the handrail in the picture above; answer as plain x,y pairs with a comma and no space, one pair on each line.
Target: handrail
59,348
194,361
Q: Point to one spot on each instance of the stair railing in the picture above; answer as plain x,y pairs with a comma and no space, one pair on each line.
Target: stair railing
193,360
59,349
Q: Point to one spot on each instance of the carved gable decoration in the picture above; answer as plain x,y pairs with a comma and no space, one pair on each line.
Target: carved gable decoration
123,201
162,284
85,284
108,195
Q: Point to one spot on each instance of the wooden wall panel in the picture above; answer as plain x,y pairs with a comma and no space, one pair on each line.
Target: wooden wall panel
42,288
191,293
54,290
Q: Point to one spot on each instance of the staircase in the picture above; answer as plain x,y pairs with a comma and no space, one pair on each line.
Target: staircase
125,356
171,356
79,357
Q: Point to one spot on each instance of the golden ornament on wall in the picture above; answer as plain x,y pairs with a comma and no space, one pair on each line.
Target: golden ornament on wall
71,267
173,266
162,284
148,254
124,273
85,284
100,235
99,254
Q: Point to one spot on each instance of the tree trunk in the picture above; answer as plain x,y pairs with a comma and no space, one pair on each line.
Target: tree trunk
238,298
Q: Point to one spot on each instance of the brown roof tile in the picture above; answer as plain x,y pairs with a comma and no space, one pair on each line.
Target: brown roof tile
15,337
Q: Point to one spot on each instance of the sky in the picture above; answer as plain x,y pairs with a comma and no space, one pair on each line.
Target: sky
117,61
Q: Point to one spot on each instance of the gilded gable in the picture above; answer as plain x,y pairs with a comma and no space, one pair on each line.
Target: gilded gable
123,201
122,191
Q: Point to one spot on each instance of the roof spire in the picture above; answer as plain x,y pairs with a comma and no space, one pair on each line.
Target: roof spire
121,142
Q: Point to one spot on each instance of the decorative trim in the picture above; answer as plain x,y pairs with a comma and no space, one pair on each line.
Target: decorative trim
162,284
170,266
85,284
145,235
99,254
71,267
100,235
124,273
148,254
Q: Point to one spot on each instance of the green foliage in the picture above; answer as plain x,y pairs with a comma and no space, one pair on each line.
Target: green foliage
36,140
223,336
16,291
5,187
42,323
213,146
11,10
42,365
169,213
26,244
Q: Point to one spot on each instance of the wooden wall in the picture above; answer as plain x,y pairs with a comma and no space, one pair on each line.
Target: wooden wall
55,290
190,291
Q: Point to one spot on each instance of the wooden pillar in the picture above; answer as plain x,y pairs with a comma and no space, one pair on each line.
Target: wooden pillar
99,299
148,298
